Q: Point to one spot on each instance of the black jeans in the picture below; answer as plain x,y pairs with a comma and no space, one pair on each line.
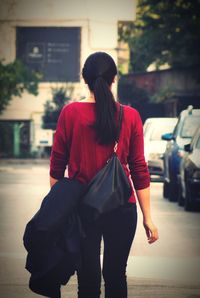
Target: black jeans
118,230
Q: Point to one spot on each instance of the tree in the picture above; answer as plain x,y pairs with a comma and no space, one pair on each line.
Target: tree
52,108
14,79
164,32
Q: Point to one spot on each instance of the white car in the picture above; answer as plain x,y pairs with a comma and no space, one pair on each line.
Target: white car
154,146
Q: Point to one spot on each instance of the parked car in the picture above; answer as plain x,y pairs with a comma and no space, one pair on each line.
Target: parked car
189,179
188,122
154,146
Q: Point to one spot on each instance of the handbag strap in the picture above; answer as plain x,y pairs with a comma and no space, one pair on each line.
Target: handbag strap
119,127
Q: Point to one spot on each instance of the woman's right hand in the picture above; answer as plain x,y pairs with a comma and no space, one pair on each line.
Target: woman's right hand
151,231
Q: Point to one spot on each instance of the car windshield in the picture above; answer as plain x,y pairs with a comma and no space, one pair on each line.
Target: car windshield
160,129
189,126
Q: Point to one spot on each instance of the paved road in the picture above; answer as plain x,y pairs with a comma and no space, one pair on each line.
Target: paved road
168,268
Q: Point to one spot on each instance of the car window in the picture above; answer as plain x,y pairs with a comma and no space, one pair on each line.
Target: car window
189,126
160,129
198,143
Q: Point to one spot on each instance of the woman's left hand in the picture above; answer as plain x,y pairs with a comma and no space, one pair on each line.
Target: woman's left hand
151,231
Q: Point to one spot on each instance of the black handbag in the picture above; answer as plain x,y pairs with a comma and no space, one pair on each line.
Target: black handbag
110,187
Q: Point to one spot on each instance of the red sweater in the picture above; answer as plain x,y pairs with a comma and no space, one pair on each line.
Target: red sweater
75,146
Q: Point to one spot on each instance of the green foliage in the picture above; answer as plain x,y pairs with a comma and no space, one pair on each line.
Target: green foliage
164,32
14,79
52,108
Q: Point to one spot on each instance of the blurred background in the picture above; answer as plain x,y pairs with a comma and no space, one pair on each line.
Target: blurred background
44,45
155,44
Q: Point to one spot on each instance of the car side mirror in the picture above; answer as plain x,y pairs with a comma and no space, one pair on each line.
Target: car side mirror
167,137
187,148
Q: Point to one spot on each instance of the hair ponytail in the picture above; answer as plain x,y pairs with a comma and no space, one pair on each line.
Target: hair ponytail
105,112
99,72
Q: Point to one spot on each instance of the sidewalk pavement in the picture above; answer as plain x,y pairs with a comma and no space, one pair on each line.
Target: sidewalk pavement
14,282
137,288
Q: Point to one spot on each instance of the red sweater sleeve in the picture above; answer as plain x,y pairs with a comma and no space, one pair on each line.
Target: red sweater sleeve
59,153
136,161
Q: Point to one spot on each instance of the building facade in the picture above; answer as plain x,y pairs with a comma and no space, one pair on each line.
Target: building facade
54,37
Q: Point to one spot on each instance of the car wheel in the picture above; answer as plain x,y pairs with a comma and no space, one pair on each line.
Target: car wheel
180,197
189,205
165,189
173,185
173,192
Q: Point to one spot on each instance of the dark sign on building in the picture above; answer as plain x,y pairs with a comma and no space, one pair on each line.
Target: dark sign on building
53,51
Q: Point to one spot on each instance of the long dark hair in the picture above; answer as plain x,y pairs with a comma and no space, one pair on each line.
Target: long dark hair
98,72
